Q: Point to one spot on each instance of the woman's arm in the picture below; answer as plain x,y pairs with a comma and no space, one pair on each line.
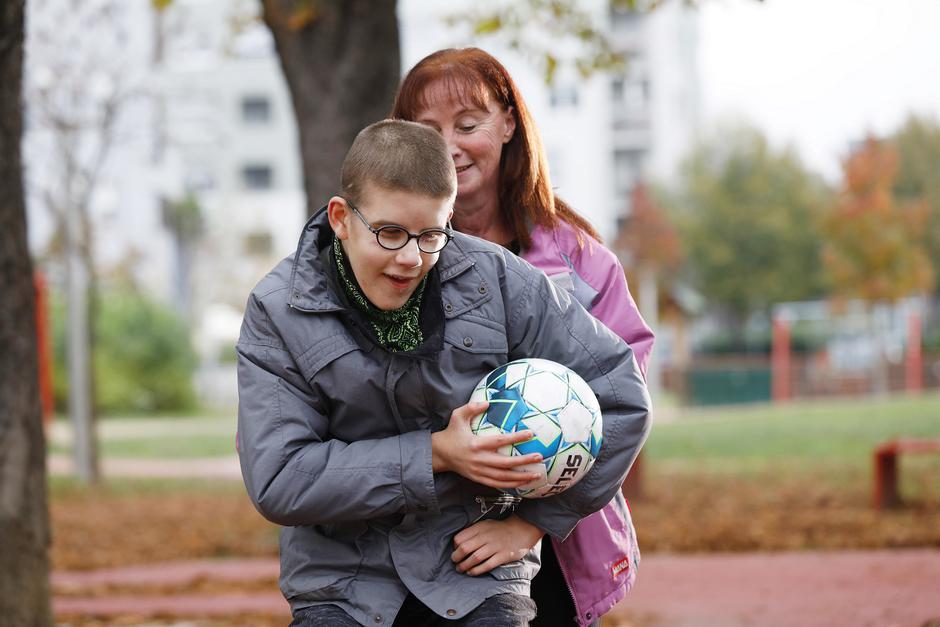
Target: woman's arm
544,322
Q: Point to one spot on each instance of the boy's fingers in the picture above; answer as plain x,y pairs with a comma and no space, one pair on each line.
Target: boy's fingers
519,436
519,460
473,558
505,439
468,411
476,407
484,567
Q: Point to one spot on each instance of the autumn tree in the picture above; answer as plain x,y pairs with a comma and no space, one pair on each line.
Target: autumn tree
747,215
875,244
651,250
918,178
649,246
24,520
648,235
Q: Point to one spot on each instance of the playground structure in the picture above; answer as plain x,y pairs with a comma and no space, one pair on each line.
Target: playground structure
43,347
861,348
885,493
816,349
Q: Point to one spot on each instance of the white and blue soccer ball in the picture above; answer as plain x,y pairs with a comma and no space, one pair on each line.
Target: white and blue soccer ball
557,405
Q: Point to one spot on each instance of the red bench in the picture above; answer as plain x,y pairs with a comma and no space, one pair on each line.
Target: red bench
886,467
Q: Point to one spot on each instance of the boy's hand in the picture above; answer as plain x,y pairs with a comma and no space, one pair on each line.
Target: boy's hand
483,546
457,449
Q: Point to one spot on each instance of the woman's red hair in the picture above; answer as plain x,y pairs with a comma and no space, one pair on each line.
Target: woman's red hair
525,192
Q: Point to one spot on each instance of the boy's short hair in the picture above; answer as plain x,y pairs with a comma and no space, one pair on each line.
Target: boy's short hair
399,155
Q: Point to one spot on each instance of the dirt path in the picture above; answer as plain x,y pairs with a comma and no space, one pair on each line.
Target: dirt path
878,588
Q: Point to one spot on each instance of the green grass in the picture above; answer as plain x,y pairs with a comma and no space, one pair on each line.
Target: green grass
65,486
819,434
831,440
157,437
834,430
162,447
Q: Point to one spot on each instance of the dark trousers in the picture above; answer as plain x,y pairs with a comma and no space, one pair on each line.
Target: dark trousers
551,594
502,610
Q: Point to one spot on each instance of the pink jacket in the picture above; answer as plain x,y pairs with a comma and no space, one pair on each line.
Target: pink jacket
599,559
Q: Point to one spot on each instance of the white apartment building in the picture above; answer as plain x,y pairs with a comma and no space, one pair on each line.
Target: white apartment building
228,139
606,133
220,128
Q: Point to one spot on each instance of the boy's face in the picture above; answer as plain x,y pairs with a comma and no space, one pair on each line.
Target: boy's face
388,278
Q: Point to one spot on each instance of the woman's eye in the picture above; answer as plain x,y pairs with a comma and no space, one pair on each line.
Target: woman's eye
466,128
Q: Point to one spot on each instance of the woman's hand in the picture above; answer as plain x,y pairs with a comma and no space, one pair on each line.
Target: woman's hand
483,546
475,457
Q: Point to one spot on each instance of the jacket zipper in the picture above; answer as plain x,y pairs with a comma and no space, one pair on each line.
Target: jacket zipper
565,575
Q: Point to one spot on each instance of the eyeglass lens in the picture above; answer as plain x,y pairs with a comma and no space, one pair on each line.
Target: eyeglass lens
394,237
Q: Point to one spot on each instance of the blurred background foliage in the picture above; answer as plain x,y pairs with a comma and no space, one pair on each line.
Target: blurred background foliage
143,358
757,227
746,213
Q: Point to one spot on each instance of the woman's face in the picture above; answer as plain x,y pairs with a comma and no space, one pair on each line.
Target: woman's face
474,136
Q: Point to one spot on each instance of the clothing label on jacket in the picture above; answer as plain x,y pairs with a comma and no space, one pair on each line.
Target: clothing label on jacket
621,566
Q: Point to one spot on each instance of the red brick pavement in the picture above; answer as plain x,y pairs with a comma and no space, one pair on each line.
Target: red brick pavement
179,574
897,588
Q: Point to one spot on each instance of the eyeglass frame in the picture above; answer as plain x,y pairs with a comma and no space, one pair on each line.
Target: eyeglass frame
447,231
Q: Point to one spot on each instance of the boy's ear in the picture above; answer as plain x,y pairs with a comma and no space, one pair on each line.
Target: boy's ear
338,212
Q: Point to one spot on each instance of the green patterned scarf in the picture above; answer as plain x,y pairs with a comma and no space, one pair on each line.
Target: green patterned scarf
397,330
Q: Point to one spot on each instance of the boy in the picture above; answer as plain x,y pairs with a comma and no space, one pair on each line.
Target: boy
352,356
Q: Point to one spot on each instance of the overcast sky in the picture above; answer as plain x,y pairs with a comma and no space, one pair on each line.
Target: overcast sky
818,74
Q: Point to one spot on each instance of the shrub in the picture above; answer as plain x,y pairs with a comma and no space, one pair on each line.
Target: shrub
142,355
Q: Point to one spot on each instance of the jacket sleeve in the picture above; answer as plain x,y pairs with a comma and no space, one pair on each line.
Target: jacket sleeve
614,305
546,323
294,473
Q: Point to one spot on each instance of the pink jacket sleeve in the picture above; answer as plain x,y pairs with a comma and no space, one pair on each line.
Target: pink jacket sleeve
595,268
614,305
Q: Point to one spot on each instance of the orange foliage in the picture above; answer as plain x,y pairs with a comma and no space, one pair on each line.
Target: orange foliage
648,235
875,246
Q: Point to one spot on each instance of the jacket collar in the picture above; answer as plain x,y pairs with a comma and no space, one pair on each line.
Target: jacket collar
309,287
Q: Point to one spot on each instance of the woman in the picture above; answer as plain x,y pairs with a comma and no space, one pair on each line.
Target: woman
504,195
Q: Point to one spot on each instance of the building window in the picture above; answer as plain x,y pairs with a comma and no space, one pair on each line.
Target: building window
623,18
628,169
617,90
633,94
256,109
257,176
563,96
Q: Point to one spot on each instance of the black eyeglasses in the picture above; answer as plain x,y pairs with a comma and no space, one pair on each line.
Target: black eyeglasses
393,237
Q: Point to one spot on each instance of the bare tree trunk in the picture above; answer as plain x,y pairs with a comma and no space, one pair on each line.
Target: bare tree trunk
341,62
24,519
79,352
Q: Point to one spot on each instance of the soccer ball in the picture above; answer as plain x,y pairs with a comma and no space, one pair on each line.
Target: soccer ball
554,403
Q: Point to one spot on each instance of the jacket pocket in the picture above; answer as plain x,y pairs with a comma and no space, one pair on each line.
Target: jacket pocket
475,335
478,346
318,561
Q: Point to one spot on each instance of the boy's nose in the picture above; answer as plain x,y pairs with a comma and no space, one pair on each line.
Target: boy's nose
409,255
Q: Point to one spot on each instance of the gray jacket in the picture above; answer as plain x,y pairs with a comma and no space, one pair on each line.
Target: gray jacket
335,432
